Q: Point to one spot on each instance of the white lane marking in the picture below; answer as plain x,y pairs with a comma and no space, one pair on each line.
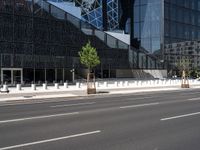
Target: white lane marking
194,99
50,140
38,117
68,105
139,98
139,105
190,93
181,116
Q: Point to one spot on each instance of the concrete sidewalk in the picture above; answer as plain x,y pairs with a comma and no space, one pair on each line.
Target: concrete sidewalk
73,92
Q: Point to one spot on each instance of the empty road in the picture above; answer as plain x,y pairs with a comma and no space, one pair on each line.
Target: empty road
143,121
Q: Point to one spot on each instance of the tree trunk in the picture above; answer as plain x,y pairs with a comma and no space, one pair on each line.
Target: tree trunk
185,82
91,87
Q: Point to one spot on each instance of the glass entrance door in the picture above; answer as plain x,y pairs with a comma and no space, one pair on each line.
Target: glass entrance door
6,77
17,76
11,76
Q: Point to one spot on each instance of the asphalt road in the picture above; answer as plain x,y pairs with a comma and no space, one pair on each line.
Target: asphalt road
146,121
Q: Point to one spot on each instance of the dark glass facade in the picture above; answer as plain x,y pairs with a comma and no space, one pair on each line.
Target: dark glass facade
157,23
43,43
147,22
182,20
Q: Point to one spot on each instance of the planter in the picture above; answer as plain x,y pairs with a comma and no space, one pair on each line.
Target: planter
185,86
91,91
91,87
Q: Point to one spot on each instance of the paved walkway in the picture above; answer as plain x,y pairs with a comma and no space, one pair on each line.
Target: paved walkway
51,92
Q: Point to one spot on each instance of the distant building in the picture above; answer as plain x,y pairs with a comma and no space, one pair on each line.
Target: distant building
176,52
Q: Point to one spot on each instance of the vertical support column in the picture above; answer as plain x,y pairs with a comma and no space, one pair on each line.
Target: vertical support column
22,76
1,76
73,75
101,71
147,62
109,71
56,75
34,75
138,60
12,76
45,75
105,17
63,75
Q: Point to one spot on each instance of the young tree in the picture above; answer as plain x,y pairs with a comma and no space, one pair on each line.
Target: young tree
89,57
184,67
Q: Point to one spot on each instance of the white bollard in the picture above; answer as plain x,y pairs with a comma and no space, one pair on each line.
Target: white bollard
44,85
56,86
162,82
5,88
121,83
105,84
126,83
33,87
115,84
19,87
65,85
96,84
78,85
139,83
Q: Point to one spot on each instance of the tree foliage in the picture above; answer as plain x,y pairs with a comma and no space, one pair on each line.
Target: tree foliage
184,66
88,56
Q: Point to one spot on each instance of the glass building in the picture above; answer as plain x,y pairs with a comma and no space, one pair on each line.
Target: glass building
102,14
40,42
156,23
147,20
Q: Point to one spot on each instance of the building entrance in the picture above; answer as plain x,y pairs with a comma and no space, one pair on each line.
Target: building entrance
11,75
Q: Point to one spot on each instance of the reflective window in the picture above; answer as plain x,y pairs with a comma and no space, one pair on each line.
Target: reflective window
147,24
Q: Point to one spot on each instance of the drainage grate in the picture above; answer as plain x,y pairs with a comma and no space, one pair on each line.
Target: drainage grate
28,96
